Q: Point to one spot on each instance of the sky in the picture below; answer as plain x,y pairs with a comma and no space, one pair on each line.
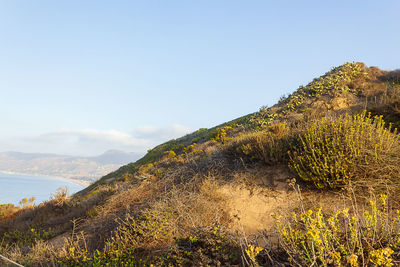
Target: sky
83,77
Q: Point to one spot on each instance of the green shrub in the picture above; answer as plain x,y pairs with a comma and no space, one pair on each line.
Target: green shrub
125,246
262,118
34,234
334,152
208,246
60,196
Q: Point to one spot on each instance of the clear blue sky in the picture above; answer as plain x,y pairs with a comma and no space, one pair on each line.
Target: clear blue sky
79,77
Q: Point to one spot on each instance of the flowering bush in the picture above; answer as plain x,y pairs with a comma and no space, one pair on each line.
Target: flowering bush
336,151
314,238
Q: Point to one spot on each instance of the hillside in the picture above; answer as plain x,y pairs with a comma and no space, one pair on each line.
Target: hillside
79,169
310,181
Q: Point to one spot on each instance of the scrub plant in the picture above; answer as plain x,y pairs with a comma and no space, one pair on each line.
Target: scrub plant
222,134
269,145
252,252
60,196
337,151
131,235
32,236
369,236
169,154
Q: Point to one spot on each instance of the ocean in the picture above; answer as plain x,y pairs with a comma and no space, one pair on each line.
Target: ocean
14,187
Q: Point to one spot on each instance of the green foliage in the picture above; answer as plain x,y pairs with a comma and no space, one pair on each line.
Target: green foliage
263,118
152,227
123,249
314,238
209,247
32,236
334,152
80,256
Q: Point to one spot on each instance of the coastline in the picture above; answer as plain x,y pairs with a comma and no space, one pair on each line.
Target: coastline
75,181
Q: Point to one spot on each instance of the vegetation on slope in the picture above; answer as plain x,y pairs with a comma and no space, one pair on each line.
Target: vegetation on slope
174,206
347,149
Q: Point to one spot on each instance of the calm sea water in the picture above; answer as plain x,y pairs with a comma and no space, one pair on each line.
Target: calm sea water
13,188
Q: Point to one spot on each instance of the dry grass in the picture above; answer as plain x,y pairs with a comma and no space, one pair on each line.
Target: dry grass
269,145
60,197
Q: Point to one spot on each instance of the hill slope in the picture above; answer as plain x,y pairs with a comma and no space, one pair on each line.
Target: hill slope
213,197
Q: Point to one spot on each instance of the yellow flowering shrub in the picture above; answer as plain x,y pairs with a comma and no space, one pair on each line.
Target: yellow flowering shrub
336,151
222,134
381,257
171,154
313,237
252,252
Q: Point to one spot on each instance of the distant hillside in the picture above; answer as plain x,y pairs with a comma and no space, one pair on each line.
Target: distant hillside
87,169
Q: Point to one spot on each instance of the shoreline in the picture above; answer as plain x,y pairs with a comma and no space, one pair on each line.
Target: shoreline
75,181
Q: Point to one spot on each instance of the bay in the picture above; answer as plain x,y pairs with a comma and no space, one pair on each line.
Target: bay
15,187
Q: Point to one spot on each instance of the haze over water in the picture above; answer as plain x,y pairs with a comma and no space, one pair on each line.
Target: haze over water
13,187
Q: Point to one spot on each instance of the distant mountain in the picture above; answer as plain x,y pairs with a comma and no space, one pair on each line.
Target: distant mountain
83,169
